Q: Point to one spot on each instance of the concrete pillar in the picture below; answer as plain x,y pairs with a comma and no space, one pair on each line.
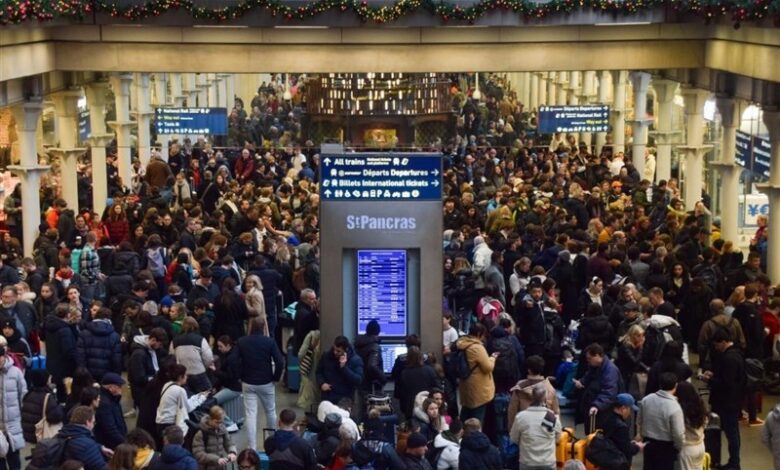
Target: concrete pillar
143,117
730,111
694,149
213,90
543,85
191,90
665,91
573,90
224,101
99,140
27,116
603,98
230,88
619,111
640,81
552,88
68,151
203,90
586,96
121,85
561,92
772,190
525,89
533,97
160,86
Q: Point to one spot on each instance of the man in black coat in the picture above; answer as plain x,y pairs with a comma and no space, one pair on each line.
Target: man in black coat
110,426
530,319
271,280
616,428
99,349
727,381
476,451
60,336
187,238
146,354
286,450
306,317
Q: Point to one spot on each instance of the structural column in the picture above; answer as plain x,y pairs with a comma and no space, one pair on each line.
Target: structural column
143,117
230,89
121,86
552,88
68,152
772,190
573,90
213,90
694,149
203,90
665,91
601,137
29,171
586,96
99,140
640,81
543,84
619,111
730,111
191,90
561,97
525,89
533,97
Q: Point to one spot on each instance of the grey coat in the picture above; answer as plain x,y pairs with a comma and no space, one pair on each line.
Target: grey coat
12,390
770,434
216,445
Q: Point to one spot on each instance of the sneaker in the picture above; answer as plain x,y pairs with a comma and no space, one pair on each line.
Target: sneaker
756,422
232,428
130,413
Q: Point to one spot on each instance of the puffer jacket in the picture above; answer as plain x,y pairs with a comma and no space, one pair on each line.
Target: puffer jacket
83,447
770,434
211,444
12,389
32,411
60,348
193,352
110,426
448,459
99,349
596,329
175,457
367,347
477,453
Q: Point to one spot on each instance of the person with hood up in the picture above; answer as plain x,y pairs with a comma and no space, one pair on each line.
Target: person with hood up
60,347
340,371
286,450
174,456
33,402
447,444
211,445
373,449
522,393
478,389
476,451
80,443
482,255
99,349
146,354
770,434
13,388
328,439
427,420
348,427
16,345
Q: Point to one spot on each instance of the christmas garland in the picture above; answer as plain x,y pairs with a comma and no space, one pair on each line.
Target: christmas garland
19,11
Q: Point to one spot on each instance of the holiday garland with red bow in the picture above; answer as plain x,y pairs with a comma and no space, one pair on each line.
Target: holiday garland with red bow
20,11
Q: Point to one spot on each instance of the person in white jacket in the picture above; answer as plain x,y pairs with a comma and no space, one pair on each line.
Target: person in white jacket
770,434
174,406
447,444
482,254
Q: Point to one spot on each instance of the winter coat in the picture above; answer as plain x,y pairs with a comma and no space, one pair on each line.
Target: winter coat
110,427
287,451
421,422
602,385
413,462
478,388
596,330
306,320
477,453
530,321
256,353
60,347
343,380
536,442
99,349
728,382
82,446
753,327
678,367
255,303
708,329
415,379
193,352
522,394
382,454
12,390
326,444
127,261
140,368
174,457
229,317
367,347
26,314
32,411
770,434
211,444
228,370
448,458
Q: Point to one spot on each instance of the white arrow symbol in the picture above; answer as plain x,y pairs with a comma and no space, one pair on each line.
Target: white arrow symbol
326,161
435,182
327,193
435,172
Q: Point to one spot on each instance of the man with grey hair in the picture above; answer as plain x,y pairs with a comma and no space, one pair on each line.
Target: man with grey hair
306,316
718,319
536,430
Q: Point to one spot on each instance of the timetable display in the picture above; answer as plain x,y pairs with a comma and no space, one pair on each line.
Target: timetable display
588,118
211,121
382,290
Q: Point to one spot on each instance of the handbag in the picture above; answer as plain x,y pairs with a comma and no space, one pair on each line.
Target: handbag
43,428
637,385
602,452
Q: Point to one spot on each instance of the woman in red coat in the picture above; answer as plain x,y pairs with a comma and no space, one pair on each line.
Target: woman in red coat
117,226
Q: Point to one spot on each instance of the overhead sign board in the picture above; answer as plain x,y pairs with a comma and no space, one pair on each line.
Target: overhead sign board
381,177
207,121
753,153
586,118
85,126
743,149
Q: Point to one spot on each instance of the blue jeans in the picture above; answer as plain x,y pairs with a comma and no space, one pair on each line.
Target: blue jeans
729,423
267,396
223,396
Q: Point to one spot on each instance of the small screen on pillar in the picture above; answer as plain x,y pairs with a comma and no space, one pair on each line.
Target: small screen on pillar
191,121
382,291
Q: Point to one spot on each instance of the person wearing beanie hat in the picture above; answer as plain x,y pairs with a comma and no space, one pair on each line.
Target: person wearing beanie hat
367,347
33,402
328,439
414,457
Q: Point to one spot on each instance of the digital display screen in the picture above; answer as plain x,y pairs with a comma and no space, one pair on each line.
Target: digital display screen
381,293
207,121
390,353
586,118
85,126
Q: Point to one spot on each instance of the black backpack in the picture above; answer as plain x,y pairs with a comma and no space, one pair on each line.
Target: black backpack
433,454
755,374
460,363
48,454
506,368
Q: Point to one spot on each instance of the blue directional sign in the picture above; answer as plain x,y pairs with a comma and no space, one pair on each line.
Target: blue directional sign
85,126
753,153
207,121
381,177
744,145
586,118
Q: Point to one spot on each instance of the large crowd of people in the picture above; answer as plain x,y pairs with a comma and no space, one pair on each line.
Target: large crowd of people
573,286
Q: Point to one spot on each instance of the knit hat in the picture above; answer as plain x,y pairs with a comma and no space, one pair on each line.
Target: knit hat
416,440
332,420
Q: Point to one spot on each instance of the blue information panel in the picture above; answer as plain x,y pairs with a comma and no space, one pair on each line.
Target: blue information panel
586,118
753,153
85,126
744,145
381,296
211,121
381,177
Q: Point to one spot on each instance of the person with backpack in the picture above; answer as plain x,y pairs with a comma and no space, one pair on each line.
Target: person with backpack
286,450
155,257
74,441
522,392
476,451
373,451
727,381
748,316
718,320
211,444
671,360
445,450
414,456
536,430
475,373
510,362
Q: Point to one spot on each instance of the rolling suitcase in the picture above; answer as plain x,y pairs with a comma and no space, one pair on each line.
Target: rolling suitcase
293,369
712,440
235,409
564,447
581,446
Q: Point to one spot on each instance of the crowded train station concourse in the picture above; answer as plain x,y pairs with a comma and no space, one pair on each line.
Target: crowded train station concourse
387,235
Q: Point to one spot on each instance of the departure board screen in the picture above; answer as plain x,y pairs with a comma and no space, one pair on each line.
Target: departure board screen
381,293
